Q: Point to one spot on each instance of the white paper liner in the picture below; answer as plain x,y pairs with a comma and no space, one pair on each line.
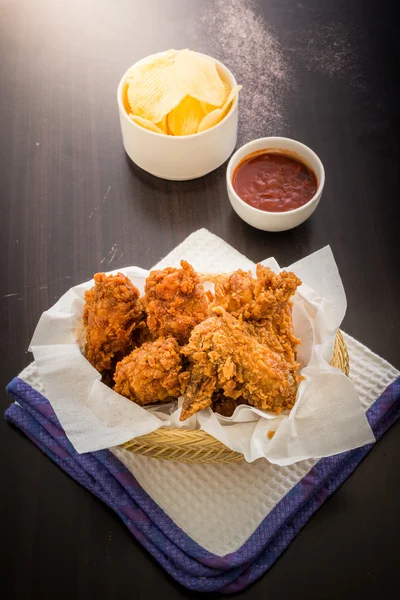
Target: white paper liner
326,419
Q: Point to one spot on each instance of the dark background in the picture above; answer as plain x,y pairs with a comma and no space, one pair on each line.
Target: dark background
72,204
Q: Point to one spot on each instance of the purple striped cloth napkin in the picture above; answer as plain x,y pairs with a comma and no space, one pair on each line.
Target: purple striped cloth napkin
185,560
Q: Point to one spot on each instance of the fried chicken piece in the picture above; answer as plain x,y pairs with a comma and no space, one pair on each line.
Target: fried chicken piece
111,313
235,293
255,299
277,332
225,357
151,373
226,406
175,302
265,303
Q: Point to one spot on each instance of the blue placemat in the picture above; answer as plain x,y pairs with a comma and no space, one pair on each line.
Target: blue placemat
185,560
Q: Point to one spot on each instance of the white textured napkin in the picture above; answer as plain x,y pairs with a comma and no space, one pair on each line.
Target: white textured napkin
327,417
221,505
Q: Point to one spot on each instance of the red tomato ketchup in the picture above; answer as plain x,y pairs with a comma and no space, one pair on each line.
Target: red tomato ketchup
274,181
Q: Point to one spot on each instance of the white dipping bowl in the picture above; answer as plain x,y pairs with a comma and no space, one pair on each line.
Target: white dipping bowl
179,157
275,221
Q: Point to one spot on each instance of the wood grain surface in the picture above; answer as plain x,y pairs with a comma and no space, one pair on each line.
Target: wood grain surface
72,204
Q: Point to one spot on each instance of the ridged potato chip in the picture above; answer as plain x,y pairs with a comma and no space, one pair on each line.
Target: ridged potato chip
185,118
154,89
215,116
227,89
125,100
209,107
177,93
199,77
146,124
163,124
164,55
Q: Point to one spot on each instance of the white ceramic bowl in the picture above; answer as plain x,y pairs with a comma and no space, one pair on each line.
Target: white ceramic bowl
179,157
276,221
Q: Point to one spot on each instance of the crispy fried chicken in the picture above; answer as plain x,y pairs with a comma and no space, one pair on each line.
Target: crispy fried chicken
265,303
175,302
151,373
111,313
224,356
255,299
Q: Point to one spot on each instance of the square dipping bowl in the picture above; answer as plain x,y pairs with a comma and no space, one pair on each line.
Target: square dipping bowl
178,158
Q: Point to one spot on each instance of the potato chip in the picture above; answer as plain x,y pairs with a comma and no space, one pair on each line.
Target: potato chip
154,89
218,114
177,93
227,89
185,118
146,124
125,101
199,77
209,107
133,70
163,124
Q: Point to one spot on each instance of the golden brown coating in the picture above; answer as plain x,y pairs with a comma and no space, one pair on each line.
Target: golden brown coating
224,356
277,332
175,302
111,313
255,299
151,373
265,303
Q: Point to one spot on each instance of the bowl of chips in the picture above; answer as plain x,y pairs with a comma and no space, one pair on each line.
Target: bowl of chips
179,114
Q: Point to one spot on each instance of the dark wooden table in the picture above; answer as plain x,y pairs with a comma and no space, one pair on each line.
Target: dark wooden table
72,204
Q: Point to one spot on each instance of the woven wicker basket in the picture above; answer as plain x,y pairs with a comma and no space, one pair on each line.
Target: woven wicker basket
198,446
